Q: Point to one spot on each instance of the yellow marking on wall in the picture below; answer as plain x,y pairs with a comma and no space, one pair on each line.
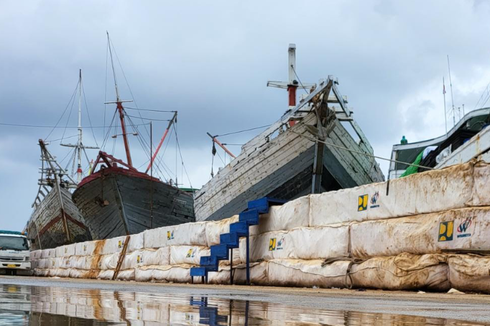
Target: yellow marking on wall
362,203
272,244
446,231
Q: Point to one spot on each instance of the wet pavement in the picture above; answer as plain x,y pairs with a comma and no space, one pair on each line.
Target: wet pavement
31,301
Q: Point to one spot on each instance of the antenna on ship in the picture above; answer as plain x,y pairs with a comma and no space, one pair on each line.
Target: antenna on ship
451,86
293,80
79,147
444,94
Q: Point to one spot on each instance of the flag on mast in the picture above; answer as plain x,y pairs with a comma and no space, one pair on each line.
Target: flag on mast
443,86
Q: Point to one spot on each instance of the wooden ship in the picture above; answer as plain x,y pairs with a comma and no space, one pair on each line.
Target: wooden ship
309,150
116,199
56,220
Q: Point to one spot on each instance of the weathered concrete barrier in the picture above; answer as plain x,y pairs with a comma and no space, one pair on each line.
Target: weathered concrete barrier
404,235
423,193
470,272
402,272
457,229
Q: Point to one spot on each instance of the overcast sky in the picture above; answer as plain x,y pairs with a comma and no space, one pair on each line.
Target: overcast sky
211,60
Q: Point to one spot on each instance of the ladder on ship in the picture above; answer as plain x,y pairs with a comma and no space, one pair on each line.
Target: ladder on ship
231,240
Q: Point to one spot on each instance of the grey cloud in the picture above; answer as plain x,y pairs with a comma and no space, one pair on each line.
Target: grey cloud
210,60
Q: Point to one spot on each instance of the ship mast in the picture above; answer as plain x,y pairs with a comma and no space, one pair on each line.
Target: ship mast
79,144
79,147
292,84
120,107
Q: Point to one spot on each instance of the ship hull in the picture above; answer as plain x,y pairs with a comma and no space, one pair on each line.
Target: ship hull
47,225
282,168
116,202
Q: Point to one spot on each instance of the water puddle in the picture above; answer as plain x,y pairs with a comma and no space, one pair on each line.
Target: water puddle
53,306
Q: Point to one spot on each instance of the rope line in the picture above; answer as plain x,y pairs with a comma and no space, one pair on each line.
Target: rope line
69,115
362,153
148,110
182,160
150,119
88,115
59,120
294,70
54,127
53,140
127,83
245,130
108,131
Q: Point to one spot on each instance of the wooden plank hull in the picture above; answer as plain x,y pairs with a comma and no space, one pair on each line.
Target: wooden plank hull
115,204
282,168
46,227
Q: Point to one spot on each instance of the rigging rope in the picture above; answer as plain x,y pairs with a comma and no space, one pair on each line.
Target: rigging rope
182,160
88,115
53,140
69,115
150,119
56,125
73,152
108,131
486,94
64,158
245,130
362,153
86,156
166,167
127,83
149,110
221,158
144,144
294,70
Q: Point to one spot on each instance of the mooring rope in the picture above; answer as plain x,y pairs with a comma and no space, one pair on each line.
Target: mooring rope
362,153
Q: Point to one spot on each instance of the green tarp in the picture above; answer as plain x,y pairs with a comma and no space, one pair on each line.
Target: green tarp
413,168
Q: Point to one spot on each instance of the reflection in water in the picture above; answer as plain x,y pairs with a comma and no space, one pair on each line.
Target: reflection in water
25,305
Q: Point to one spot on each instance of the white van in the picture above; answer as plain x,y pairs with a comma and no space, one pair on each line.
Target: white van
14,253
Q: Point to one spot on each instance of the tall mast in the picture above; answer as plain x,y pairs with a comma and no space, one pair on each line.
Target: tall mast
292,84
120,107
79,145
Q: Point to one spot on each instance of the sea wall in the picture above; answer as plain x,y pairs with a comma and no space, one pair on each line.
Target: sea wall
427,231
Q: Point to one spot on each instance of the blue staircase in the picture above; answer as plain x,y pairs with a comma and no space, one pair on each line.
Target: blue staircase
231,240
208,315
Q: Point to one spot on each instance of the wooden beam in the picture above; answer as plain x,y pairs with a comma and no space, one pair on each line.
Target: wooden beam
121,258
